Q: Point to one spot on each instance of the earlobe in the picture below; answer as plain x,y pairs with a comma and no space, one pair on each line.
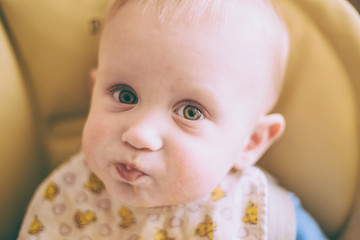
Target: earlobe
268,129
92,75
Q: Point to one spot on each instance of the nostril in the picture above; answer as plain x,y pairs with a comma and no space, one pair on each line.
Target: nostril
142,139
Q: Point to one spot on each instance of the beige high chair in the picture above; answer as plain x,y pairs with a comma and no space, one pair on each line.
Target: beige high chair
48,47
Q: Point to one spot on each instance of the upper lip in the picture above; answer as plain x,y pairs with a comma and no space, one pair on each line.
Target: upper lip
129,171
129,166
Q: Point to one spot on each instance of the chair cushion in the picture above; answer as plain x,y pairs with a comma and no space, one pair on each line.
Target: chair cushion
20,164
319,153
57,41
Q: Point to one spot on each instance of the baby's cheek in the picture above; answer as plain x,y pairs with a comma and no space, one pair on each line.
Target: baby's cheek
93,134
95,127
192,182
194,190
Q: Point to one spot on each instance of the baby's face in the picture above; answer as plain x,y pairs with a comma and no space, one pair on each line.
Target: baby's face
173,108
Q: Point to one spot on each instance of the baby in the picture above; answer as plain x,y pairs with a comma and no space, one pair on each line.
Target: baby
179,116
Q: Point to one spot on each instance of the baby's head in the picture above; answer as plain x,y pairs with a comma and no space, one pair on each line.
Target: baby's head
181,96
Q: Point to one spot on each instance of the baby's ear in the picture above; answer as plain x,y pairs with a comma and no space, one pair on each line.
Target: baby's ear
92,75
268,129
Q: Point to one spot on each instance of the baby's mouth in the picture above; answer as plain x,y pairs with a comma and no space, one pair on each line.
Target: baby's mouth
128,172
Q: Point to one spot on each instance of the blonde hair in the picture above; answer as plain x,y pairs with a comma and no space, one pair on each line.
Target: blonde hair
274,30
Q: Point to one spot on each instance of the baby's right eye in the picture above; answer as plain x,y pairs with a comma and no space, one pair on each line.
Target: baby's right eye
125,95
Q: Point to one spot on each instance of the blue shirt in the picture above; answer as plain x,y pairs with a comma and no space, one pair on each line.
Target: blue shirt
306,227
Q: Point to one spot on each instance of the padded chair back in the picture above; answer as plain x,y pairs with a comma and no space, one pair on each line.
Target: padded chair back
318,156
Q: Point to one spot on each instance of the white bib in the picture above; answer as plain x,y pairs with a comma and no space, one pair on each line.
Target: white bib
72,203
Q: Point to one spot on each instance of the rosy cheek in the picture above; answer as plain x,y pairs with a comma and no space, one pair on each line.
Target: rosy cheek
93,133
188,178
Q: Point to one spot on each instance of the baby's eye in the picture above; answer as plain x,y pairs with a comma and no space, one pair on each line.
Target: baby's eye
190,112
125,96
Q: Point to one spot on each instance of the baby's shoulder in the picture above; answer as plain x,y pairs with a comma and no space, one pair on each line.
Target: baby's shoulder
66,180
65,201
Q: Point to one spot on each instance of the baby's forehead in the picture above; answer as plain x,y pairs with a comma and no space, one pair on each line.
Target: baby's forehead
254,20
247,19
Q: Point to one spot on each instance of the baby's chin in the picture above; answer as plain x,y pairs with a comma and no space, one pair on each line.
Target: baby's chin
168,201
156,204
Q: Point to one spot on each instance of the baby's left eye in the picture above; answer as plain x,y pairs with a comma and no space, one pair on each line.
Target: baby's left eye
124,95
190,112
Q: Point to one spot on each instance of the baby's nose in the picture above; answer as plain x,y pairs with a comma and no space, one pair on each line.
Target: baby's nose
143,135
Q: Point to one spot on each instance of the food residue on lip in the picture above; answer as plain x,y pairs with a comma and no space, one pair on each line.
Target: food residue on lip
135,189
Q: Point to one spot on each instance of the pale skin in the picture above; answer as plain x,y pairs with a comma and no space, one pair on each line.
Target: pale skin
172,112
